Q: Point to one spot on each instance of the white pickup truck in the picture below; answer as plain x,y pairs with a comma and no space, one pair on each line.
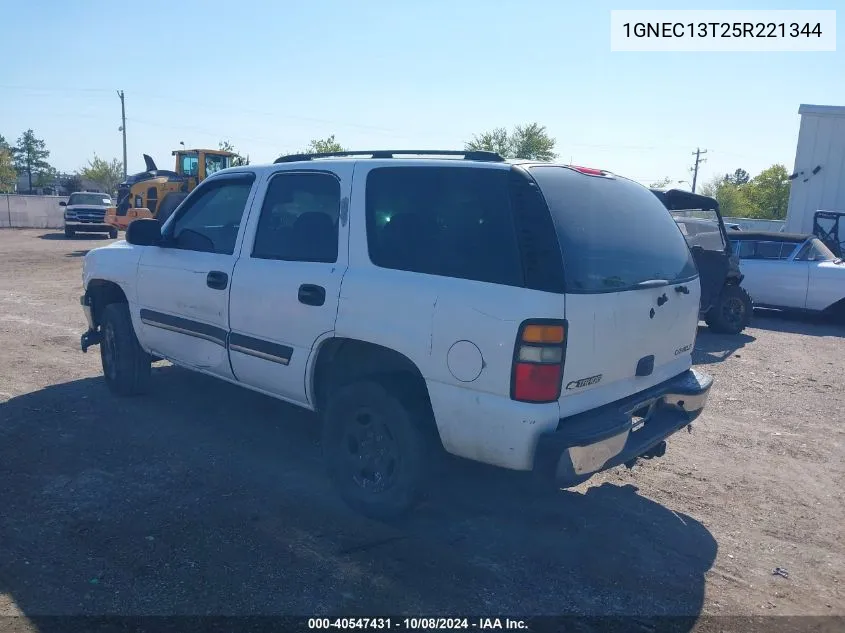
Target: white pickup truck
527,315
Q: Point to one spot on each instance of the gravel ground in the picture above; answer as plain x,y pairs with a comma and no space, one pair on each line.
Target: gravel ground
203,498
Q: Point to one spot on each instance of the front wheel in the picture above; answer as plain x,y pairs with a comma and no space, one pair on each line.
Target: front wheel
731,312
113,234
375,449
126,366
69,233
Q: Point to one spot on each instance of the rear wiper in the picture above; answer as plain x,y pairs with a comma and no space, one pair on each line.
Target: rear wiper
653,283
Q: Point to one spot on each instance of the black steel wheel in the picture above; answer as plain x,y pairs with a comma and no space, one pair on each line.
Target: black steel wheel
732,311
375,449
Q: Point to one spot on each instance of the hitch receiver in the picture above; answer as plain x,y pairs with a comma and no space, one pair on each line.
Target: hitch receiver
91,337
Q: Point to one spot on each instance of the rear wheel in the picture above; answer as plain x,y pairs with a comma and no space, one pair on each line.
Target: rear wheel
375,448
731,312
126,366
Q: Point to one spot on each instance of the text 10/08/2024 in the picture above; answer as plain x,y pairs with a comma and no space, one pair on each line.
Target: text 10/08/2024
421,623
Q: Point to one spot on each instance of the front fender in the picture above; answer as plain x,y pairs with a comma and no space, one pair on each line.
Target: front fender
116,263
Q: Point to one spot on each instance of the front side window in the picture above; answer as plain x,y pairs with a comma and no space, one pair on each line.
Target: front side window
447,221
744,249
214,163
210,220
815,251
299,218
190,165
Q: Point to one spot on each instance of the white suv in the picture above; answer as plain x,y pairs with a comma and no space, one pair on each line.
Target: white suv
527,315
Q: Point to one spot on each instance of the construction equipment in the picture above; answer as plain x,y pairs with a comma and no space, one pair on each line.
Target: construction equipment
155,193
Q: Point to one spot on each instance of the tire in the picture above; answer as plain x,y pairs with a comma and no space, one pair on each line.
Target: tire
69,233
126,367
113,234
732,311
375,448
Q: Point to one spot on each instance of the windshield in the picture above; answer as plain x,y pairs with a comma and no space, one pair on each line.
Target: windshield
614,233
94,199
700,228
816,251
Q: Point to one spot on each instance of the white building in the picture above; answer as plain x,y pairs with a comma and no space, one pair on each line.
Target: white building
818,179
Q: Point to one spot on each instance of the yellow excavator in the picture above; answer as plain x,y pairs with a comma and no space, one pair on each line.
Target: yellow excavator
155,193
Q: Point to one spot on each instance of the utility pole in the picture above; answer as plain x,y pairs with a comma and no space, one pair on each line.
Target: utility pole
123,129
698,160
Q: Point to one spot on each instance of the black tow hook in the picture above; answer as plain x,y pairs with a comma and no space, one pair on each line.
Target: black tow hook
91,337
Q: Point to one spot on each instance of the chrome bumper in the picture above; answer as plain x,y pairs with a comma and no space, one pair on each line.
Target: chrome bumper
617,433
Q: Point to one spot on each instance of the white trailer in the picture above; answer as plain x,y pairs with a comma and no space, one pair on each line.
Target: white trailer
817,194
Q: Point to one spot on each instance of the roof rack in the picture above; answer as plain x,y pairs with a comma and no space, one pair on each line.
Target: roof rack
480,155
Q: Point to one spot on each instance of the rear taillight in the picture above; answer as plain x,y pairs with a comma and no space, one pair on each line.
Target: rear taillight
538,361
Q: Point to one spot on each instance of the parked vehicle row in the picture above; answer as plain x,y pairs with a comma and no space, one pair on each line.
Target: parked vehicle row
531,316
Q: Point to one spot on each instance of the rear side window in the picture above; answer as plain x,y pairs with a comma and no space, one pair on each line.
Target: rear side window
614,234
448,221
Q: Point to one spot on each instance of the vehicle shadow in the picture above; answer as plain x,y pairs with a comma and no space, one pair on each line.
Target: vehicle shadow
798,323
77,236
711,347
205,498
81,253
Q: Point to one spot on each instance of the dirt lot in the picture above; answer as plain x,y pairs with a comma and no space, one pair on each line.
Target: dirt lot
204,498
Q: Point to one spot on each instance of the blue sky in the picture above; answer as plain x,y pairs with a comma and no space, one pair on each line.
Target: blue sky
270,76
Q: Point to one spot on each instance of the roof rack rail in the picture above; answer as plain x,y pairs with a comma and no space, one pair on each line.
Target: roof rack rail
479,155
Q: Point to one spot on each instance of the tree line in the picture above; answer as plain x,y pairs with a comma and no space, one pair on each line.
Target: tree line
766,195
28,157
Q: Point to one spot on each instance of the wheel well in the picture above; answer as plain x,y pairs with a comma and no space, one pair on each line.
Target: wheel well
101,293
836,309
342,360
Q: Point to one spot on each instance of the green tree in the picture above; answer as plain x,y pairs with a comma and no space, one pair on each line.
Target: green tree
768,193
46,177
71,182
30,155
238,160
732,199
107,175
530,141
739,177
661,184
8,175
323,146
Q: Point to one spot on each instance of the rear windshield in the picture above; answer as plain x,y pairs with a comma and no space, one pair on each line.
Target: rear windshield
614,234
94,199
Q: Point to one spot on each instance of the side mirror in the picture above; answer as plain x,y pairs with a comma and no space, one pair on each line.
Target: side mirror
62,203
144,232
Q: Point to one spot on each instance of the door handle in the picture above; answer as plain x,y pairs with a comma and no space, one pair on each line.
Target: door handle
312,295
217,279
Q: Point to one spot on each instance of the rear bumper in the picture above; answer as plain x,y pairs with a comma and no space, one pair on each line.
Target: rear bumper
636,426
